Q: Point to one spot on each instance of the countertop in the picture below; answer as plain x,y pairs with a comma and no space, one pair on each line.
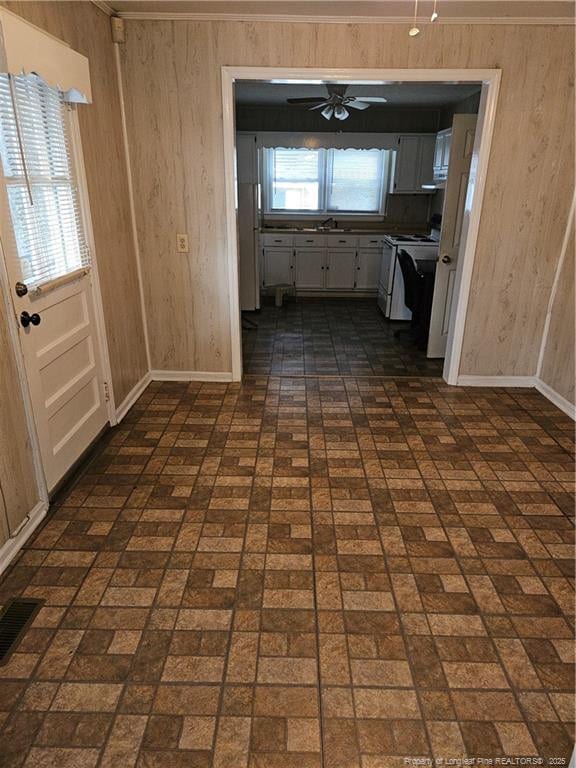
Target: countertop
351,231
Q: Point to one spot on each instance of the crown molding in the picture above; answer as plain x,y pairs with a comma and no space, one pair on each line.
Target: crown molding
327,19
105,7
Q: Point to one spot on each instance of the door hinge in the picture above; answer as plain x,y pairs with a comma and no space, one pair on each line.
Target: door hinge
106,392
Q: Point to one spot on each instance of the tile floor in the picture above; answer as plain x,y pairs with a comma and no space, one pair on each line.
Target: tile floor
330,336
303,573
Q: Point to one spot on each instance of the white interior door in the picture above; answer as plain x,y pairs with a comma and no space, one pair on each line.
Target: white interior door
43,225
462,144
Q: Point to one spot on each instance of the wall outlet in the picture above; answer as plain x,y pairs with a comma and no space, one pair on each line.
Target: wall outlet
182,243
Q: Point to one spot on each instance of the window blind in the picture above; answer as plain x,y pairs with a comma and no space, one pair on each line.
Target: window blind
37,162
355,180
295,179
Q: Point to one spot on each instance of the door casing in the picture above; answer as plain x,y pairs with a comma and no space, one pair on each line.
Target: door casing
490,81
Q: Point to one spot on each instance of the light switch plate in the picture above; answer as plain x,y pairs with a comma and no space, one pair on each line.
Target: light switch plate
182,243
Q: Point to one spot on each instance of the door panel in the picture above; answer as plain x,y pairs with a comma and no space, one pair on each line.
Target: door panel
277,266
368,271
310,268
64,374
459,149
341,270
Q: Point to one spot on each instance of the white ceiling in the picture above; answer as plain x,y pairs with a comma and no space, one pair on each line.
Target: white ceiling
451,11
433,95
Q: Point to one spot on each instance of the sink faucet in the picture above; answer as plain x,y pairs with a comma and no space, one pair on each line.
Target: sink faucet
328,223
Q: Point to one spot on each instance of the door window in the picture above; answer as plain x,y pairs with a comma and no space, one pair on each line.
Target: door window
38,169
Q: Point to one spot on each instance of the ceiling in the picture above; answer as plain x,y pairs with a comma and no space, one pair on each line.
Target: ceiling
433,95
367,11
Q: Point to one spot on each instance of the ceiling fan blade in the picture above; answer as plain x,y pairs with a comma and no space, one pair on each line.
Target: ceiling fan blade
373,99
311,100
357,104
319,106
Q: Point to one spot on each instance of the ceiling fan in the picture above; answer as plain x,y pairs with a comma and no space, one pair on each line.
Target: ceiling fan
337,103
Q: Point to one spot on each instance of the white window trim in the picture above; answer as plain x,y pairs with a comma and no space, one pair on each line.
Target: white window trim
324,180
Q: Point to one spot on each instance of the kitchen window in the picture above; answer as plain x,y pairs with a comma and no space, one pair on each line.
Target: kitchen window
325,180
39,174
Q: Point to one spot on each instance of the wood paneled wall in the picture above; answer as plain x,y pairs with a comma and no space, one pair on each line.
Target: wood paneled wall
558,362
173,88
87,30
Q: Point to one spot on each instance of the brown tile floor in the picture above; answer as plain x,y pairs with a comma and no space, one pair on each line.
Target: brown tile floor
330,336
301,573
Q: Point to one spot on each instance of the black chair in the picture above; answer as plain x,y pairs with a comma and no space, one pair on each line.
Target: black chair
418,293
412,290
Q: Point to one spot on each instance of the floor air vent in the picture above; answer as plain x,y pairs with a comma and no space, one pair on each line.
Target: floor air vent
14,621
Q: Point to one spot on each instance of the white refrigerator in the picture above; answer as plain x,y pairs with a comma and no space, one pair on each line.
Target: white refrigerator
248,219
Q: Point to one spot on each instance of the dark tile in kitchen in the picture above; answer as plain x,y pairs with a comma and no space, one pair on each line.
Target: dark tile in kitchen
323,336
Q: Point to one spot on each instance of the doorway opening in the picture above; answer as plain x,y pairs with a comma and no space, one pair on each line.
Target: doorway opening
356,196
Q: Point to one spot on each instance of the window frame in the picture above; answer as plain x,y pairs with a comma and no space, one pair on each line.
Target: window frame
78,186
324,180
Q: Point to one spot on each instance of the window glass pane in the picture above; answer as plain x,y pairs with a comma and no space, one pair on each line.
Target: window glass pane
355,180
295,179
36,148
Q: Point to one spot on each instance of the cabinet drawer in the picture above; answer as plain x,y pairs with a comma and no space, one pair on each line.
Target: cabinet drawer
341,241
309,241
269,239
371,241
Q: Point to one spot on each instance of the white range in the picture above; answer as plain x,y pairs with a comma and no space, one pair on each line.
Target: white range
391,285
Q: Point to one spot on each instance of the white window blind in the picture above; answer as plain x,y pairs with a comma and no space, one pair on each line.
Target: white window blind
295,177
355,180
38,167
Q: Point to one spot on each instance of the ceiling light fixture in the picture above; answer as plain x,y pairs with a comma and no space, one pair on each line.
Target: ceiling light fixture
340,112
413,31
327,112
434,11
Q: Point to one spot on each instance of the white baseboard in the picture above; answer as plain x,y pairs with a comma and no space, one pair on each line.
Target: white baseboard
556,398
131,397
533,382
496,381
158,375
10,548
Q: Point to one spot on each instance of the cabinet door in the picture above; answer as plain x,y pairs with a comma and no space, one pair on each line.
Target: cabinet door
426,160
310,268
368,269
407,164
341,269
277,266
246,158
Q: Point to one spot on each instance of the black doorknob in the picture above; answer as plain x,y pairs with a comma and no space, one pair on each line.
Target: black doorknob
26,319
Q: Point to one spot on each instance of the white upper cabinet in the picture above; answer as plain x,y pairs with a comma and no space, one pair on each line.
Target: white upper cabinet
414,164
442,155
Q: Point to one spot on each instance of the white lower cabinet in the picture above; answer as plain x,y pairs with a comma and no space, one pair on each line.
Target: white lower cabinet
340,269
277,265
310,268
368,269
317,263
